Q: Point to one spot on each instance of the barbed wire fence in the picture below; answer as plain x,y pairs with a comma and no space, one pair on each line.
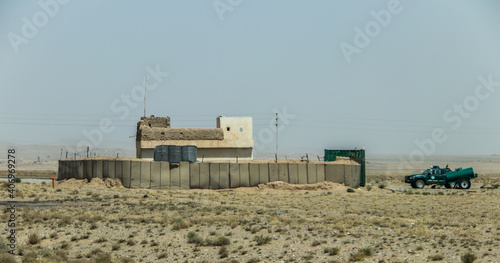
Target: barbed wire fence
71,154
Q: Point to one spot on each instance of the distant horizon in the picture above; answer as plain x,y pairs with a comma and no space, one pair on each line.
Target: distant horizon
394,76
55,152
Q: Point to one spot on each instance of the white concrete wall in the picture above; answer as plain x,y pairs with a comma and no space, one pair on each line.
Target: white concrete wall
224,154
238,131
148,154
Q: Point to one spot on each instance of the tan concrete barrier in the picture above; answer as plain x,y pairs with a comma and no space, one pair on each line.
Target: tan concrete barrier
79,174
335,173
87,170
164,175
204,180
352,175
119,170
356,171
320,172
347,175
145,179
155,175
254,174
223,175
126,173
105,169
98,169
293,172
283,172
184,175
214,175
263,173
273,172
302,173
61,173
111,169
234,175
244,175
135,174
175,176
311,174
194,175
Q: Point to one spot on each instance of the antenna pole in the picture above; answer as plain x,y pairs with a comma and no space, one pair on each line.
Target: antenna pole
145,91
276,137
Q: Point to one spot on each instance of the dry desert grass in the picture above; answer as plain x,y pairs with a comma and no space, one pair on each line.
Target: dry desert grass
386,221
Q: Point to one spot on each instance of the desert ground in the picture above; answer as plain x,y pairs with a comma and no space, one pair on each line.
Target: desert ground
385,221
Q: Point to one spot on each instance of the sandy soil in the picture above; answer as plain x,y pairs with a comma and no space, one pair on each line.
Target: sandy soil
386,221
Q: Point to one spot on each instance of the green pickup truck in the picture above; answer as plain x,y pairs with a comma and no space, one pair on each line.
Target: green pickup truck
460,178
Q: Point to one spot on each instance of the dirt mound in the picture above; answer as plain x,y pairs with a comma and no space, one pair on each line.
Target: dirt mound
280,185
107,182
72,183
344,160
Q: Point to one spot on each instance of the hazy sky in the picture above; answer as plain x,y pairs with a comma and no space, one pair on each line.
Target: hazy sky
395,76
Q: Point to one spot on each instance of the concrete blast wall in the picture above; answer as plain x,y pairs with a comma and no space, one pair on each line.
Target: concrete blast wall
185,175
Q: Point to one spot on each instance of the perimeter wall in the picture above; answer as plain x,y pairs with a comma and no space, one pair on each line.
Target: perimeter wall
207,175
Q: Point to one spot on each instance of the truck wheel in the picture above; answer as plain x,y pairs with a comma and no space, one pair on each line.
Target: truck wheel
413,185
450,185
420,184
464,183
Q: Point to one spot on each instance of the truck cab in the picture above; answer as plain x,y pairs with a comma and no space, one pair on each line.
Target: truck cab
442,176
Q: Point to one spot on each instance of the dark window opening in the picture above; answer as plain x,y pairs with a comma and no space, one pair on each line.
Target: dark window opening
228,128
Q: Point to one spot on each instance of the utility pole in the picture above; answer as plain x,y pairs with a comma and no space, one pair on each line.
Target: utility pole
276,137
145,91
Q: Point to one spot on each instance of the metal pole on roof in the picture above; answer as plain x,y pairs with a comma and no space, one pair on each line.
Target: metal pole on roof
276,137
145,90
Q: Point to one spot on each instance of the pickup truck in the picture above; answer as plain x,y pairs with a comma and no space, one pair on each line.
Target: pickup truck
459,178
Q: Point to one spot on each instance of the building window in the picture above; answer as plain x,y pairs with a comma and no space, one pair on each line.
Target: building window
228,128
241,129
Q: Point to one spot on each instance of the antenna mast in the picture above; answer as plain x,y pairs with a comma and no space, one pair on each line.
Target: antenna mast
276,137
145,91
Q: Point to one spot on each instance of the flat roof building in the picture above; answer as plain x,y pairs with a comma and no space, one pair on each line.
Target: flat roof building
232,138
